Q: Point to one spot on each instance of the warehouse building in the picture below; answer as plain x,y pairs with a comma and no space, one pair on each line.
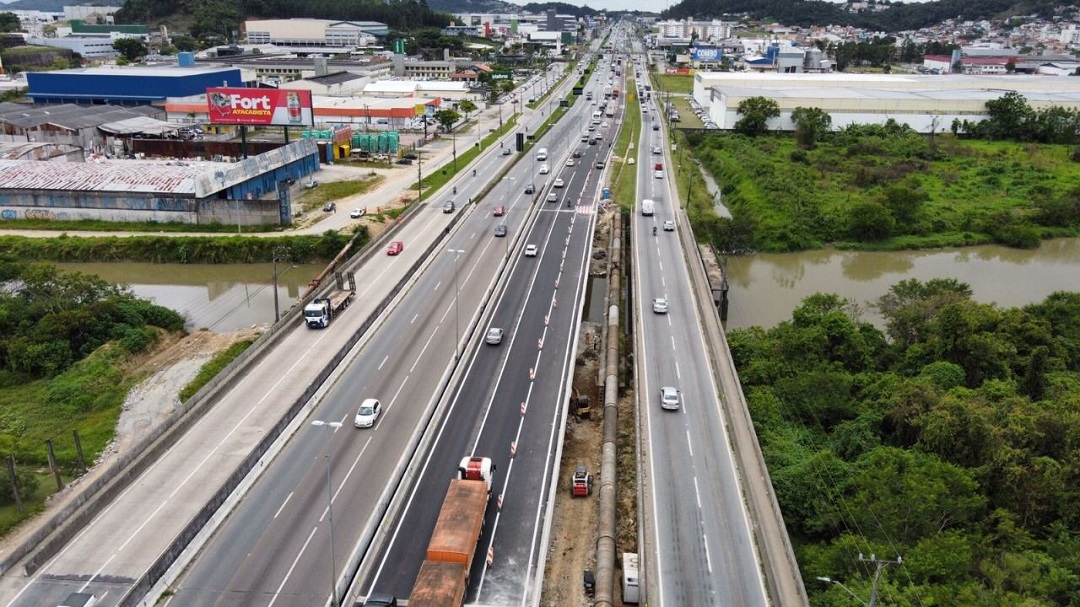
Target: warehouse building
126,86
254,191
925,103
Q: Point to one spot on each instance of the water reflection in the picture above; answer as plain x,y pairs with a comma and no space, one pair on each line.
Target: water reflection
765,288
219,297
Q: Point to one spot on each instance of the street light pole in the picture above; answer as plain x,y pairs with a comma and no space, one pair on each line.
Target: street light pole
419,180
280,253
330,515
457,295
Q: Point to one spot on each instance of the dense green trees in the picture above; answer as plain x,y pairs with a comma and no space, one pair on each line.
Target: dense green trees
756,112
1010,117
49,320
951,438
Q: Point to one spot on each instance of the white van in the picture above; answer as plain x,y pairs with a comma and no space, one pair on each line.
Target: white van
541,154
648,207
596,117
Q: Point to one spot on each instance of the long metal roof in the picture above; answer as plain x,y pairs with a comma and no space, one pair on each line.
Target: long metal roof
146,176
70,115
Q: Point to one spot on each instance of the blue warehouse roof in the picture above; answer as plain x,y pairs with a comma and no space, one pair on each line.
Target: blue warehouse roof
128,85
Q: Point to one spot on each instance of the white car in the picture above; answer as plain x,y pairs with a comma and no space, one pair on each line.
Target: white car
669,398
658,174
368,413
657,150
357,212
494,336
669,226
530,250
558,182
569,162
659,305
544,170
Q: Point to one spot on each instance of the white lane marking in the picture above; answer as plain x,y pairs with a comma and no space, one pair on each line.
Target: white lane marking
415,316
678,374
708,559
690,447
697,493
296,560
282,507
437,285
345,479
385,358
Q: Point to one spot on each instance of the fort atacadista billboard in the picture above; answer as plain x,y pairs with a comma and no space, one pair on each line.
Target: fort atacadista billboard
261,107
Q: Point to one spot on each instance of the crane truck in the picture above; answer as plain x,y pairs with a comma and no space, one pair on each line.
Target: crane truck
443,579
323,309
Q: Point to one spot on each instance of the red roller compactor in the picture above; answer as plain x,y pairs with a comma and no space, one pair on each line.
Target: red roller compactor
444,576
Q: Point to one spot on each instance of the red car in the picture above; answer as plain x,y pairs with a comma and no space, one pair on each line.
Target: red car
395,247
500,211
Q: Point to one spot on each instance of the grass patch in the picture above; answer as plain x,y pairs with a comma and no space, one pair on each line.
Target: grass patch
316,197
674,83
889,191
434,181
624,174
214,366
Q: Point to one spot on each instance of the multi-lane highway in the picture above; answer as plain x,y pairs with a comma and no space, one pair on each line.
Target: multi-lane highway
699,548
530,373
276,547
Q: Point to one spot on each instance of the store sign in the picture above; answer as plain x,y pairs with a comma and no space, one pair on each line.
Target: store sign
261,107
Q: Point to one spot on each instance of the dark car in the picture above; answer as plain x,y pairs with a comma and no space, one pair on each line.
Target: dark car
404,161
329,207
577,153
530,188
410,156
500,230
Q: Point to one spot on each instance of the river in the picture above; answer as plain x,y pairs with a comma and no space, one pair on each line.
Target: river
219,297
765,288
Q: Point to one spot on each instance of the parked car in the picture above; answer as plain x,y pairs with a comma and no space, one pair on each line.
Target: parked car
395,247
404,161
357,212
368,413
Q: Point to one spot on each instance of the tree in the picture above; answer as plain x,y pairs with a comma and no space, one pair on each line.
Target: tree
1008,116
131,49
467,106
9,22
447,118
756,113
911,305
871,221
810,124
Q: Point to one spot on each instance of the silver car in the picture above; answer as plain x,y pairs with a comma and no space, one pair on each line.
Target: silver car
494,336
659,305
669,398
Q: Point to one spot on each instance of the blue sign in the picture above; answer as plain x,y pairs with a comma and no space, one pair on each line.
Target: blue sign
705,53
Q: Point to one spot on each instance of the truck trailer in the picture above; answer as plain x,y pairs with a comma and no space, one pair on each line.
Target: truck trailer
323,309
443,579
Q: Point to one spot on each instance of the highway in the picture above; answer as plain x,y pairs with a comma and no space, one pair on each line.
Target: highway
275,548
698,549
531,370
117,547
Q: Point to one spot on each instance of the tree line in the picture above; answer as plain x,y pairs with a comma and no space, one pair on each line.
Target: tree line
950,438
50,320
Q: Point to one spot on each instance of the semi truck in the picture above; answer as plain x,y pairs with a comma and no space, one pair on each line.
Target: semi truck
324,308
443,579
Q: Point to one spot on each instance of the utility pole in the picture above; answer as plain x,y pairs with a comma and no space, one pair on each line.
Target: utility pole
879,566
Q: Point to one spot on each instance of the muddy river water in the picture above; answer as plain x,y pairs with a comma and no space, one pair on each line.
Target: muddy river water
765,288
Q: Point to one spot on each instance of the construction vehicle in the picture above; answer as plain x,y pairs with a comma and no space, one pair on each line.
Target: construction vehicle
581,483
323,309
443,579
581,407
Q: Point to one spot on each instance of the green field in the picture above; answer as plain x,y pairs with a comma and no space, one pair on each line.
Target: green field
890,191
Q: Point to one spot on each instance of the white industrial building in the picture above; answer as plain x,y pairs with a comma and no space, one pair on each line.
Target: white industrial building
926,103
313,34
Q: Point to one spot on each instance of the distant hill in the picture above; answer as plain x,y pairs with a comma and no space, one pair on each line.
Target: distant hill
899,16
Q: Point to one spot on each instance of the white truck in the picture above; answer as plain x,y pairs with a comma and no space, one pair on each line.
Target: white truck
323,309
541,154
648,207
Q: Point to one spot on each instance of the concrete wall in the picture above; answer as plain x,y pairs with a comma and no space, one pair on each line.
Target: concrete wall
75,206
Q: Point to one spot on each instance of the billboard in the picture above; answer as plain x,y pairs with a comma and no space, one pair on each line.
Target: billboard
706,53
261,107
